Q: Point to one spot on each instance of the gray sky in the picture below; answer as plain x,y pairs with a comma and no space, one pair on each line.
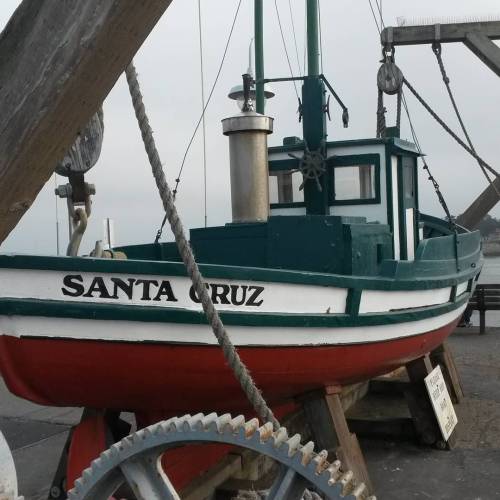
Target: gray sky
168,66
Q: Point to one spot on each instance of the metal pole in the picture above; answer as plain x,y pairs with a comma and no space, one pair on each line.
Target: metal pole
312,38
259,56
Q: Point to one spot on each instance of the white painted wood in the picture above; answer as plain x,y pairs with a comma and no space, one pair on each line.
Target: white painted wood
131,331
395,207
462,288
275,297
289,211
374,301
410,233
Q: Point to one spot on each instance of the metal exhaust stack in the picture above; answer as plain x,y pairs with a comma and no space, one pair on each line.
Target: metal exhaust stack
248,133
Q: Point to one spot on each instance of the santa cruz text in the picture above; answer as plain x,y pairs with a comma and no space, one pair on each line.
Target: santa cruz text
156,290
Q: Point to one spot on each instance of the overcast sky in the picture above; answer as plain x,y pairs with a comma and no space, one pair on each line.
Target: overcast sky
168,66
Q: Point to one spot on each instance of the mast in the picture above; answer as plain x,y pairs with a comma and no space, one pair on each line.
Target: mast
314,120
259,55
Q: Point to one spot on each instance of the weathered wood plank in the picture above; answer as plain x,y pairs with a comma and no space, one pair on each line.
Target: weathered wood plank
58,62
448,33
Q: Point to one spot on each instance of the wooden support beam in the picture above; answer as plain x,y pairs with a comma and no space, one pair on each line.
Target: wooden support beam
485,49
325,414
444,357
448,33
480,206
58,62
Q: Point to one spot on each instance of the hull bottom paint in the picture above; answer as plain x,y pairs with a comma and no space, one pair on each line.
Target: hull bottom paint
165,380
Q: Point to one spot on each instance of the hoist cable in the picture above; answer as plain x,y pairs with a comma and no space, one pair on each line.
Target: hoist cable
436,48
295,38
178,179
374,16
430,177
447,128
284,47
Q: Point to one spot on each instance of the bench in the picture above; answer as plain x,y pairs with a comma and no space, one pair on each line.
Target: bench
485,298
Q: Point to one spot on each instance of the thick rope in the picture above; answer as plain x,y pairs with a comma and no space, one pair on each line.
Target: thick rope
436,48
231,355
448,129
381,125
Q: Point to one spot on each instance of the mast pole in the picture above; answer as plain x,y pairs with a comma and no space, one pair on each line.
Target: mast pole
259,55
313,114
313,55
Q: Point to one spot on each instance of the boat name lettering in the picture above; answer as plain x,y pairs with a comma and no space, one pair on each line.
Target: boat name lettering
157,290
151,289
237,295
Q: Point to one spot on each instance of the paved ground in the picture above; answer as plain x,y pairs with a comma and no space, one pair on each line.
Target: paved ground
399,470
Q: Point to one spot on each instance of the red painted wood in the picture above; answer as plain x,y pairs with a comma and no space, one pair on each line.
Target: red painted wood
88,441
178,379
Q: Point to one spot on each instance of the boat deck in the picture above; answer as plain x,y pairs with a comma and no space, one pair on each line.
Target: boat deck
398,469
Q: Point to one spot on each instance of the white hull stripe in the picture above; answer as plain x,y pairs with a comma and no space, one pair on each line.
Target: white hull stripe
128,331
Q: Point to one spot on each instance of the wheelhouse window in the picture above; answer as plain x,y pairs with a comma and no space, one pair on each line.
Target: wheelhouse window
355,179
284,188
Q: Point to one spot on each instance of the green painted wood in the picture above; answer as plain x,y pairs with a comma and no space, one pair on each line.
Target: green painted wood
259,55
118,312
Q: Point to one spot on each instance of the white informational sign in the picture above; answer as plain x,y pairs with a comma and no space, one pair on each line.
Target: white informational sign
441,402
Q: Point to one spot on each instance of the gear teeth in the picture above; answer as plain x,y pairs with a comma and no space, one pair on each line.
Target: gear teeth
236,424
319,462
265,432
193,423
307,452
222,422
334,472
359,491
208,421
346,481
250,427
280,436
292,445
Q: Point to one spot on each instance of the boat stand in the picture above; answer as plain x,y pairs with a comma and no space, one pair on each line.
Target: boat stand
422,425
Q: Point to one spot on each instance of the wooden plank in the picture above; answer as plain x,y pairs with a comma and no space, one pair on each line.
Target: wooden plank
58,62
418,401
448,33
444,357
349,452
485,49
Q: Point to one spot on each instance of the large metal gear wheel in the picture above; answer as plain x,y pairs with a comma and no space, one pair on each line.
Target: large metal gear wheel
136,461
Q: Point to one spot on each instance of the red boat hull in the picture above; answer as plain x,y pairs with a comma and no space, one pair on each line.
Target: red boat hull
162,380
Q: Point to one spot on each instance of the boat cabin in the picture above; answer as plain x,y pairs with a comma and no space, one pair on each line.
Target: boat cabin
374,178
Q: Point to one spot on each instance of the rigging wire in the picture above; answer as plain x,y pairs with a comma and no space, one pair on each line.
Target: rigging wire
204,130
219,71
295,37
374,16
379,8
284,47
305,38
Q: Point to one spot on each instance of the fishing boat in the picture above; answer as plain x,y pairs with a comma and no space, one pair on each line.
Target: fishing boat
328,274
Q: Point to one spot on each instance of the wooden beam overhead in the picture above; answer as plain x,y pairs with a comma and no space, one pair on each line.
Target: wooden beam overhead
58,62
445,33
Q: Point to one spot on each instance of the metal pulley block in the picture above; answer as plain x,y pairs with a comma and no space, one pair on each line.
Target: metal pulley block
390,78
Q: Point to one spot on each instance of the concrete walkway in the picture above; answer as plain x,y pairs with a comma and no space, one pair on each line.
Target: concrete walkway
399,470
